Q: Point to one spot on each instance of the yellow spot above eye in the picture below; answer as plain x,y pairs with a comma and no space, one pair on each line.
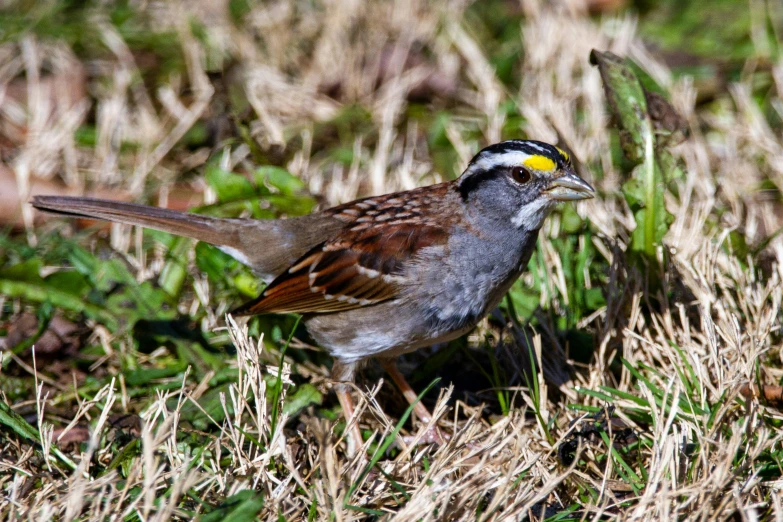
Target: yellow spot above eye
564,153
539,163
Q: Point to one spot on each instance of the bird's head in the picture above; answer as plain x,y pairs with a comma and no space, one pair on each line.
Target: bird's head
521,180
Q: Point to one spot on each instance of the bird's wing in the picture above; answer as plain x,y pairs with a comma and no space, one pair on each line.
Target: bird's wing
361,266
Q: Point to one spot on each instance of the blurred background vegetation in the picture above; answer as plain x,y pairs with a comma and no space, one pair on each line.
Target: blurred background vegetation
274,109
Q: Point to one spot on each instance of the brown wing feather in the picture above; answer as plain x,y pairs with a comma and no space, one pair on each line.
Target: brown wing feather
362,266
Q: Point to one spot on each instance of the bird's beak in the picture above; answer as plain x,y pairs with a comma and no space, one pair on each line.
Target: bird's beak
569,187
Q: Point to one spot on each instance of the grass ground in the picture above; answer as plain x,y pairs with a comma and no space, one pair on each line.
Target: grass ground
631,373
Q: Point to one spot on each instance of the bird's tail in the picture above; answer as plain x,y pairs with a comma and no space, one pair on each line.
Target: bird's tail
204,228
256,243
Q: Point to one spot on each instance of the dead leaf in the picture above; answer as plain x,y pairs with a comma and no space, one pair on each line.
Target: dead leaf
61,335
71,439
770,394
126,424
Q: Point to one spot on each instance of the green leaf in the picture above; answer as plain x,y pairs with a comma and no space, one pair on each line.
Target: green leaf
248,284
625,395
101,274
10,419
624,470
213,262
570,221
40,291
175,270
144,376
240,507
229,186
596,394
305,395
646,198
142,301
125,458
293,206
281,179
594,298
633,191
72,283
29,271
627,103
292,198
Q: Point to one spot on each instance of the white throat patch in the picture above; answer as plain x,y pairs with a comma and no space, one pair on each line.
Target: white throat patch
532,215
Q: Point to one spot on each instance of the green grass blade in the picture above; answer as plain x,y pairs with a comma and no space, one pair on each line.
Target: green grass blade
389,440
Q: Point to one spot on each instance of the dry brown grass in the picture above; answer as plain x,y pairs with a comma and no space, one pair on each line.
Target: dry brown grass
700,346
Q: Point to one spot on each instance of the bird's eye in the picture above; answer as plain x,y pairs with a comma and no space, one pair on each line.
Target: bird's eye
520,174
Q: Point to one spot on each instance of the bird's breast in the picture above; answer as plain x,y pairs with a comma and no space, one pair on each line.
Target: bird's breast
445,295
454,292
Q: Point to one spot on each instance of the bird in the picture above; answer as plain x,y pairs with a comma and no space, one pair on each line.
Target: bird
385,275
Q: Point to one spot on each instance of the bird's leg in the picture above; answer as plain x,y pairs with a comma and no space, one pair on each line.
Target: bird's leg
342,373
421,411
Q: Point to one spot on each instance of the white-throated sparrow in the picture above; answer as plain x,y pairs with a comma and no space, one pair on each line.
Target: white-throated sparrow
385,275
